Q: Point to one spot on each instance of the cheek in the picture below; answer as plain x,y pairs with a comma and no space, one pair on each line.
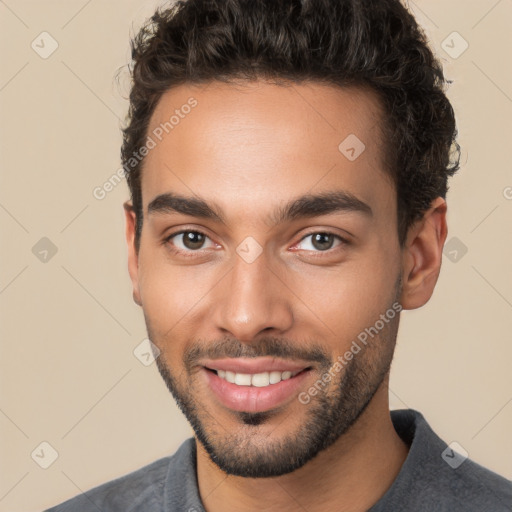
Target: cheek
334,303
343,301
171,293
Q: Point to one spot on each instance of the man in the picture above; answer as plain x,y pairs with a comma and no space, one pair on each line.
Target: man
288,166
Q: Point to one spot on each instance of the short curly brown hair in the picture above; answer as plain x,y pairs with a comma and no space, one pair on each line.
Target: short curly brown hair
375,43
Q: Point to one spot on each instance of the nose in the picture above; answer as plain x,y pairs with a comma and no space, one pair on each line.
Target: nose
251,299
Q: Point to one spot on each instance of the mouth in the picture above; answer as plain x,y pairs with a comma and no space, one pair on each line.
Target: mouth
259,380
254,385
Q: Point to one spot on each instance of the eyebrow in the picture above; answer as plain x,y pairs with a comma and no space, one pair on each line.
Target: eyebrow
309,205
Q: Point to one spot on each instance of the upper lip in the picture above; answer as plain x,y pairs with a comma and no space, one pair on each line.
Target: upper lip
254,365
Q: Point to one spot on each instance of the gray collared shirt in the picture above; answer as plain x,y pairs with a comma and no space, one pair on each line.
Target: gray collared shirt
433,478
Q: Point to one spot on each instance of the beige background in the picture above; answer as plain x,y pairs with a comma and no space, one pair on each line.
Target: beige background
68,325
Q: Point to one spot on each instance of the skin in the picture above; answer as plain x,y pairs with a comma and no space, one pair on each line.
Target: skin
250,148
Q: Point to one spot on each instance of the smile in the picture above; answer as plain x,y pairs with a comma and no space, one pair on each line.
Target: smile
259,380
269,385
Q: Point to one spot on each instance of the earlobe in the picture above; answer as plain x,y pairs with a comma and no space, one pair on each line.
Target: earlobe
133,256
422,256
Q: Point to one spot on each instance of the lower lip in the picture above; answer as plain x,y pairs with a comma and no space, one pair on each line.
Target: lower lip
252,398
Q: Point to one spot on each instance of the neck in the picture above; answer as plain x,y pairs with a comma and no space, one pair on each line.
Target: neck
351,475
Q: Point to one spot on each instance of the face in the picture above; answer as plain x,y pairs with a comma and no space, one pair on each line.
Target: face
267,255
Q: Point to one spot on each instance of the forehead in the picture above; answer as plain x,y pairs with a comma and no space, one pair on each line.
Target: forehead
254,145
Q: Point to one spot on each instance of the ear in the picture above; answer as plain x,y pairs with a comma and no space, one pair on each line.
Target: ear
133,256
422,256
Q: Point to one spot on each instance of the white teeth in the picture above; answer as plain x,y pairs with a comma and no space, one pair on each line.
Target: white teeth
275,377
259,380
242,379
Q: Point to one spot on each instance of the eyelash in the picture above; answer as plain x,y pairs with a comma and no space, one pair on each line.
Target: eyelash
175,250
192,253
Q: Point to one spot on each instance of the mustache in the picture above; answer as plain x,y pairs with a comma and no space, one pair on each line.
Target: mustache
268,346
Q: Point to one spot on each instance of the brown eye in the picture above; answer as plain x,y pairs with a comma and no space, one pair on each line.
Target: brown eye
193,239
320,242
189,241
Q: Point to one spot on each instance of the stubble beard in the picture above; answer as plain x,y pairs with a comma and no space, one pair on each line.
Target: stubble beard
248,452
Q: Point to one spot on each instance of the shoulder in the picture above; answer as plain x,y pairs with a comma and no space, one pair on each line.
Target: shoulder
482,488
140,490
436,477
467,488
